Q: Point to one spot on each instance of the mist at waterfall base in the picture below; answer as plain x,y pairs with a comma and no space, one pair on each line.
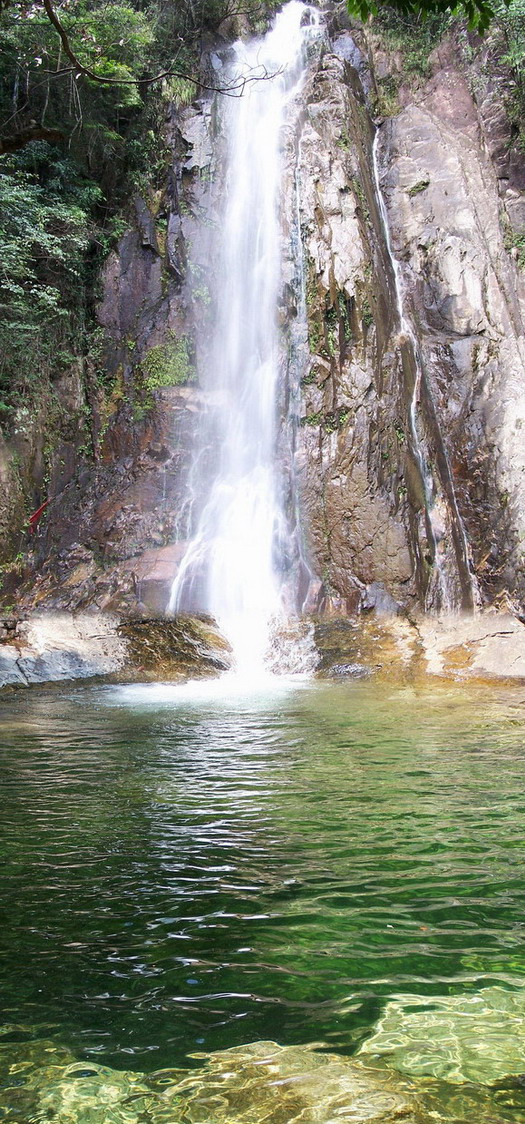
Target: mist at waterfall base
244,545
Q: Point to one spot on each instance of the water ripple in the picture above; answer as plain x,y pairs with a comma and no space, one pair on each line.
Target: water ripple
216,872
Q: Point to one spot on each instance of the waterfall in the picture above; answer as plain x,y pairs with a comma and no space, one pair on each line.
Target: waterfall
233,567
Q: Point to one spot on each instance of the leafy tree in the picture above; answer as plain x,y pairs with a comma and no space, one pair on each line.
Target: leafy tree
56,54
82,89
44,236
44,90
479,13
511,19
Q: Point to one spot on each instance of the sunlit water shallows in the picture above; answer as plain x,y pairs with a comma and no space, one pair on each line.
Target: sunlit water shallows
335,864
242,548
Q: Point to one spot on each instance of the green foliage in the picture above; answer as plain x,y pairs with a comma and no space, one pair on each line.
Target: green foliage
414,38
312,419
331,332
479,13
336,419
202,293
40,85
167,364
417,188
181,91
360,194
367,315
61,203
515,240
511,19
387,96
329,327
43,241
59,206
330,422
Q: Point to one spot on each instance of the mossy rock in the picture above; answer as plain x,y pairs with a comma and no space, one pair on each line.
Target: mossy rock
178,649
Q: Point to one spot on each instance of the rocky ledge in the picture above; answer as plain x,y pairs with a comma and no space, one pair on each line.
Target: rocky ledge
488,645
52,647
55,647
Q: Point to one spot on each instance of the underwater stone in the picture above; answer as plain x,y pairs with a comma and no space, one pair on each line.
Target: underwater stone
457,1038
249,1084
258,1083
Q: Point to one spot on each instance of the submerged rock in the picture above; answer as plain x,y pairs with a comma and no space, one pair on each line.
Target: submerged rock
258,1083
93,1094
457,1038
290,1084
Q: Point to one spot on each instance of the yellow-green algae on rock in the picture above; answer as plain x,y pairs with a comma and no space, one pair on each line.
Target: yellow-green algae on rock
456,1038
261,1083
264,1082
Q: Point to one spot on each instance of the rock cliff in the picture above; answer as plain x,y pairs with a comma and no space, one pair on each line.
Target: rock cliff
412,459
409,451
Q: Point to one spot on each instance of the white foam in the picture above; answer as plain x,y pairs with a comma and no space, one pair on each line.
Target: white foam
226,691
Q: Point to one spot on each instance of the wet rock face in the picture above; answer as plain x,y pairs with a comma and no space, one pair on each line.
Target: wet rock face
108,542
115,529
360,481
468,299
444,165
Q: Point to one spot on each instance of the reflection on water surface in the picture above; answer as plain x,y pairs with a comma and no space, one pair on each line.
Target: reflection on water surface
188,872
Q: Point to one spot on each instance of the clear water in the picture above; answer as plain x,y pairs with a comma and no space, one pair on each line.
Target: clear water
183,871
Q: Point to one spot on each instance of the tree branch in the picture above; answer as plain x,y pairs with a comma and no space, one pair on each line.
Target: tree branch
25,136
14,142
234,89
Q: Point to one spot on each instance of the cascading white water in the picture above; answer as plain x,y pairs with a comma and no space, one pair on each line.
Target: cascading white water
231,566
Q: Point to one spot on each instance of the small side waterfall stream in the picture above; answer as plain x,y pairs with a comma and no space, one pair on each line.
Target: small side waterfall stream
233,565
441,590
408,333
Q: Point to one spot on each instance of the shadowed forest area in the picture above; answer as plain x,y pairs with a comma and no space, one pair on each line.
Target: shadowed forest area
77,139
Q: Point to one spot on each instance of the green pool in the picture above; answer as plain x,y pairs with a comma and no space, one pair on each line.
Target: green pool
185,872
